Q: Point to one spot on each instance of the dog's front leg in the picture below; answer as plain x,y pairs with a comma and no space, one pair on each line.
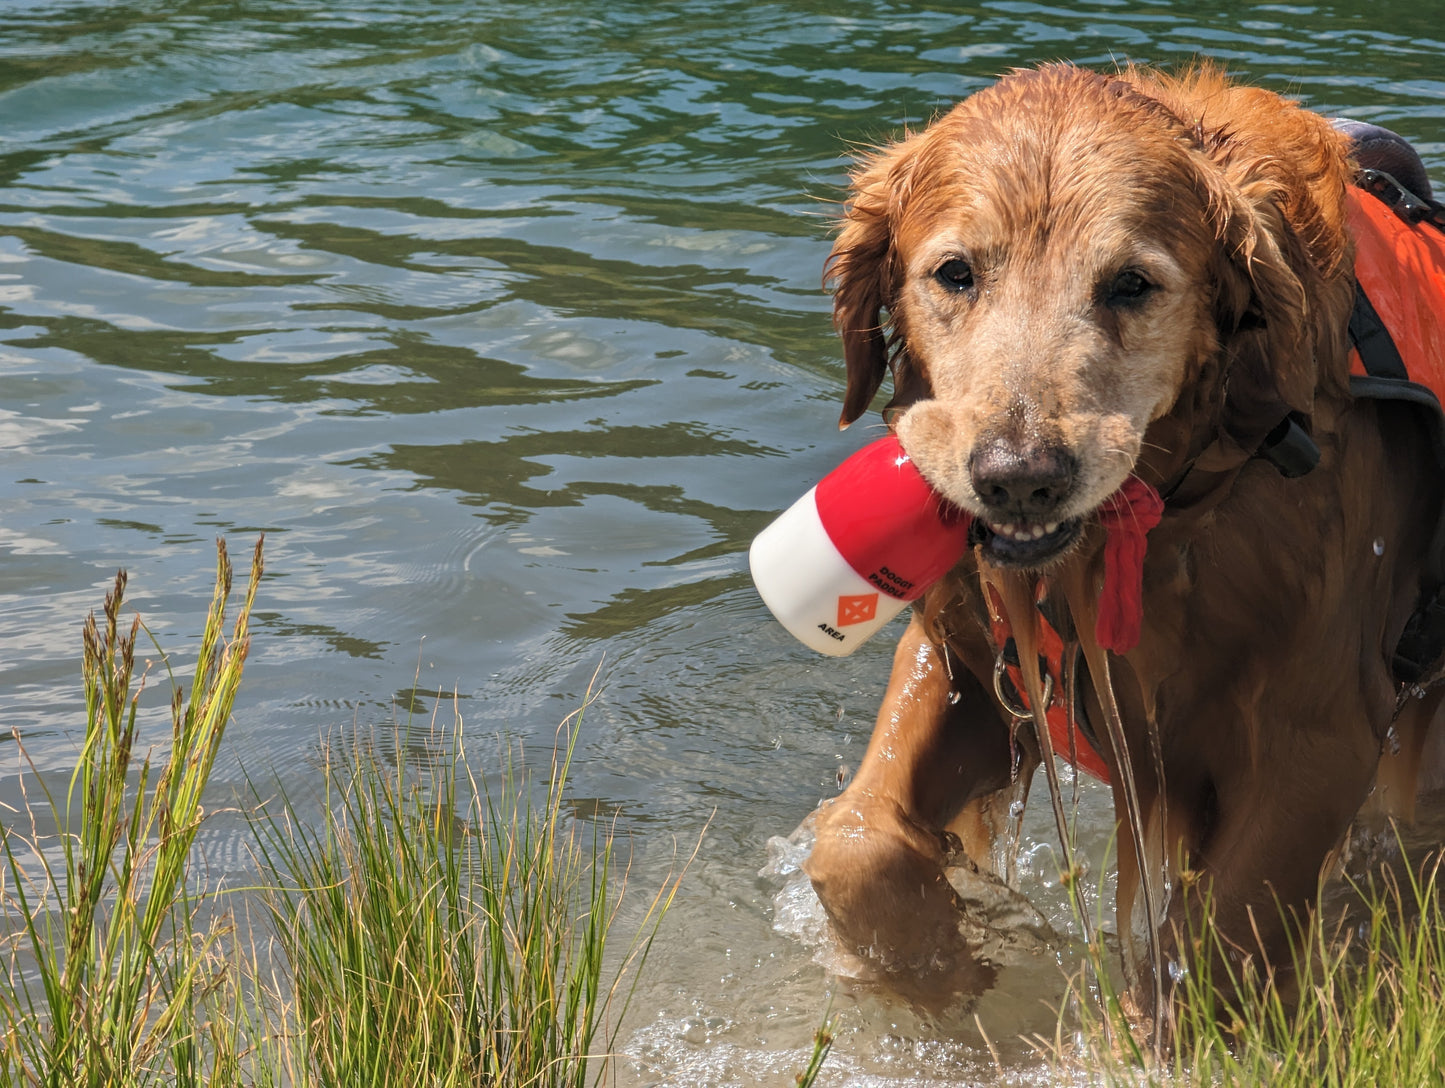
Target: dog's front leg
878,860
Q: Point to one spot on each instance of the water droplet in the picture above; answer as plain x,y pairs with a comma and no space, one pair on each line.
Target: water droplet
1006,846
954,697
1379,545
695,1032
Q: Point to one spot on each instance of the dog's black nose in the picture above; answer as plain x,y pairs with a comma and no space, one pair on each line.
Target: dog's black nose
1029,480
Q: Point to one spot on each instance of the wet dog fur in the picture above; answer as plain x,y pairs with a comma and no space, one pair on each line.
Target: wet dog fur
1073,276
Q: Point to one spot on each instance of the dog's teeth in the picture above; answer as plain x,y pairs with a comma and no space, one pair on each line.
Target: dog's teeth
1023,533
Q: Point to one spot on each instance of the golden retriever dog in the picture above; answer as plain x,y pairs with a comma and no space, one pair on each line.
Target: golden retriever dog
1073,278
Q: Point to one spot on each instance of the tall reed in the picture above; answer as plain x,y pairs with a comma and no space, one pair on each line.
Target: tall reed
108,963
822,1046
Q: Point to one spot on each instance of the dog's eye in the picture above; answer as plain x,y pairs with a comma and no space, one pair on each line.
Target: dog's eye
956,275
1128,286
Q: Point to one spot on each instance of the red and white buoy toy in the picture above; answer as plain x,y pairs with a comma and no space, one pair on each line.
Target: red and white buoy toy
849,555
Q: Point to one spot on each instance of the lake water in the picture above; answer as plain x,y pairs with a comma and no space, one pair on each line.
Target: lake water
503,321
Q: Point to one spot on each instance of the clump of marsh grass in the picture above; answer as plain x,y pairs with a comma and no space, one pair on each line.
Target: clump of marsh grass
440,932
1363,1004
108,978
430,931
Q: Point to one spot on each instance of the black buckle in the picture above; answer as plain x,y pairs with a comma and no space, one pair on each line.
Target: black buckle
1289,448
1400,200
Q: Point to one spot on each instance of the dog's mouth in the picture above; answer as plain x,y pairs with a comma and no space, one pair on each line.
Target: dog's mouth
1026,545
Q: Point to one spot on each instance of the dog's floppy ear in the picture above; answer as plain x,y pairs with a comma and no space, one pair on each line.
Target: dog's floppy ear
862,271
1263,273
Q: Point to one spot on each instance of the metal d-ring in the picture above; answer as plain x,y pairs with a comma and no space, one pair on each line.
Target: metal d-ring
1019,713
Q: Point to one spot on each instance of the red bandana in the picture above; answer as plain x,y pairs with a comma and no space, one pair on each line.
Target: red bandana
1126,515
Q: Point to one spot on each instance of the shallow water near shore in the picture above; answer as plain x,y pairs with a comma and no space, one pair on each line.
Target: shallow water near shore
504,323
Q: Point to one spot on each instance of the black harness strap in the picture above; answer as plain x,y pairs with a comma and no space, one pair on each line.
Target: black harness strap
1373,341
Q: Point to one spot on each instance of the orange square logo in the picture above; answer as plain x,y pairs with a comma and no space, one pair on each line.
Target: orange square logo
859,609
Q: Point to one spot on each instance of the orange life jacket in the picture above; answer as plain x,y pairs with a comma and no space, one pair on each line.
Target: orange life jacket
1400,269
1398,331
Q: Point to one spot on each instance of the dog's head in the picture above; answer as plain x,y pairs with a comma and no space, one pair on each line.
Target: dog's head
1065,260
